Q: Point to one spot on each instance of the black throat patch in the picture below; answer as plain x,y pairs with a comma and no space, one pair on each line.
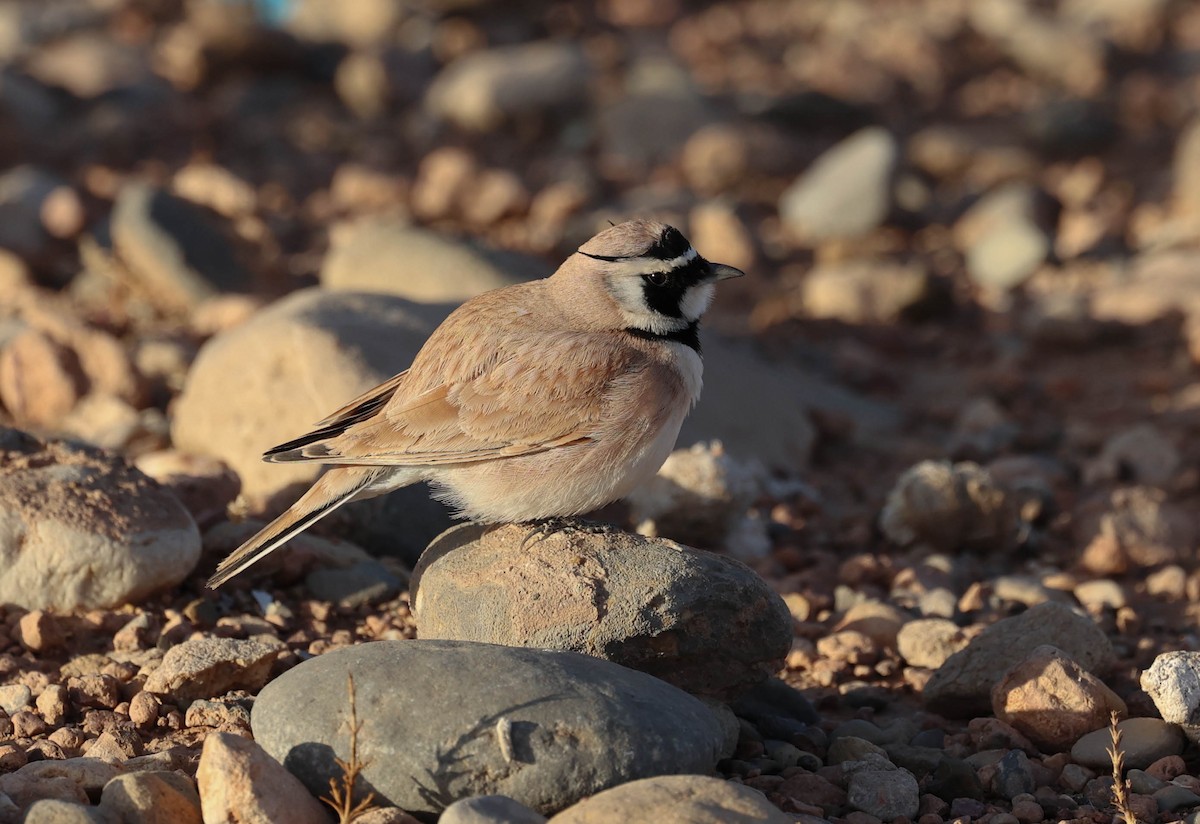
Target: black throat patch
689,335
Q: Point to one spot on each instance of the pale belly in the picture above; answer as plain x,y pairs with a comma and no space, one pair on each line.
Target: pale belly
561,482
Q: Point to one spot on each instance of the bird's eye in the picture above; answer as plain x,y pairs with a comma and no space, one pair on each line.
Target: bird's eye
657,279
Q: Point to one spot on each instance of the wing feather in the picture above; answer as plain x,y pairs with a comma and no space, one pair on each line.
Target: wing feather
477,394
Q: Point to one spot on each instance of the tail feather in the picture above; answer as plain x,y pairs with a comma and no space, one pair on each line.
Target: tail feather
331,490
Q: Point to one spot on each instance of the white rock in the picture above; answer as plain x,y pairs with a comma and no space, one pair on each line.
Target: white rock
1173,683
83,530
481,90
387,255
846,192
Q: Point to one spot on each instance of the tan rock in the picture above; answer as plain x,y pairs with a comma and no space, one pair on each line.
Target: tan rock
204,485
963,684
928,642
151,798
39,379
878,621
1133,526
67,780
716,228
53,811
312,352
39,631
208,667
107,365
675,799
241,784
1052,700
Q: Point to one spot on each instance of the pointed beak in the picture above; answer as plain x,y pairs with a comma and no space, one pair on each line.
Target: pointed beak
719,271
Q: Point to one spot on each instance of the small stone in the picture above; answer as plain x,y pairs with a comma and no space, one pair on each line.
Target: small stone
1185,193
144,709
1172,798
495,194
885,794
846,192
849,748
1173,683
1007,235
96,690
151,797
1140,453
1014,775
1053,700
52,811
966,808
949,507
1143,783
964,683
865,292
1167,768
715,159
363,85
14,698
204,713
388,815
12,758
208,667
928,642
482,90
878,621
73,779
389,256
489,809
1075,777
39,379
1143,740
1100,594
115,746
697,497
216,187
1132,526
814,789
715,227
139,633
239,782
205,486
675,798
1028,812
366,582
178,253
53,704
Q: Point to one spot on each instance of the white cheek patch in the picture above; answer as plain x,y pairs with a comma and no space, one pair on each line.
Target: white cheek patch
696,300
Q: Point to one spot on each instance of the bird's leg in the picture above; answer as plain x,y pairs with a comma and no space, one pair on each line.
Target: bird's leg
545,527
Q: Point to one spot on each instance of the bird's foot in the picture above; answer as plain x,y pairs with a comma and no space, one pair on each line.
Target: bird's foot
545,527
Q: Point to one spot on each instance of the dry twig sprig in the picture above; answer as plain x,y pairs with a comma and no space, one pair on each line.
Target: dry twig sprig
341,790
1120,789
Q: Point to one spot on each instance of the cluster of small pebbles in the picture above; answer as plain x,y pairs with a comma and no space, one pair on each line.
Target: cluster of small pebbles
927,552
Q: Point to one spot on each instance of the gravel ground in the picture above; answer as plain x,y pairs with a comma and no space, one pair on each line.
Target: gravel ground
957,396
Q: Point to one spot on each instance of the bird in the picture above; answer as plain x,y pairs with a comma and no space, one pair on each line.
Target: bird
537,401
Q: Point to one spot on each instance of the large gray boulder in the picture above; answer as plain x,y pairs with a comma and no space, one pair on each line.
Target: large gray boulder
444,720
